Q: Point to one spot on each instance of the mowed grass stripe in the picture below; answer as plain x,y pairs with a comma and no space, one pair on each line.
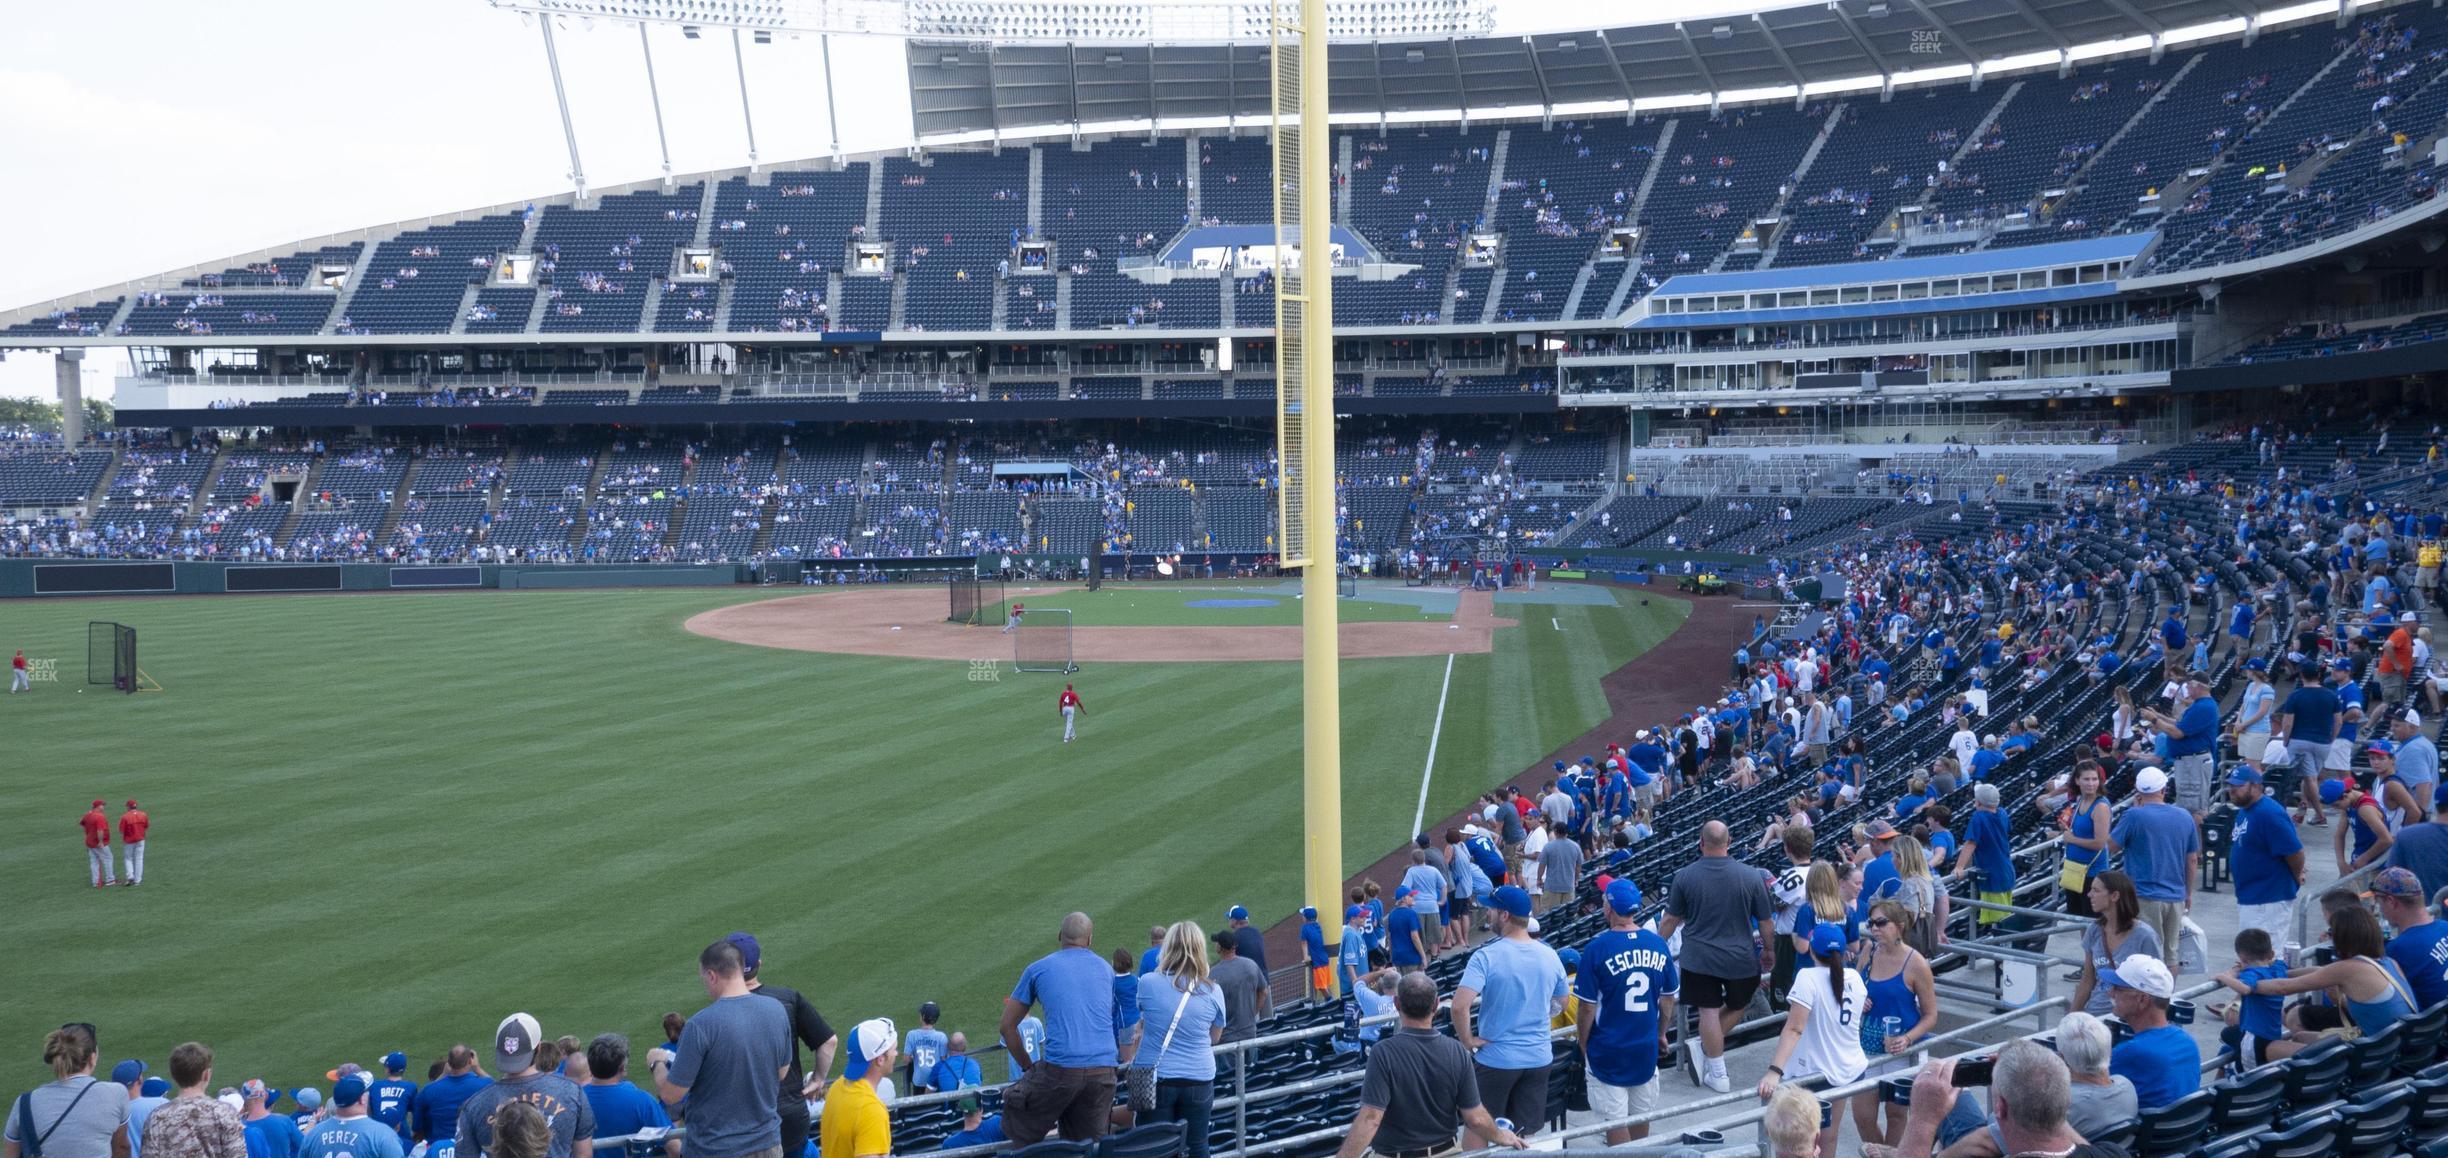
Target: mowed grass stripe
386,821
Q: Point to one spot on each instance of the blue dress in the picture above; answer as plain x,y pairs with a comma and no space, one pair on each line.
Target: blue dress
1894,1008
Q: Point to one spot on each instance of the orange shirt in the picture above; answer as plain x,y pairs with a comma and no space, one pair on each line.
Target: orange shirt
2397,656
132,825
97,829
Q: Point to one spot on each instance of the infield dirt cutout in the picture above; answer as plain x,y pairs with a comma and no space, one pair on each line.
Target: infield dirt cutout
908,622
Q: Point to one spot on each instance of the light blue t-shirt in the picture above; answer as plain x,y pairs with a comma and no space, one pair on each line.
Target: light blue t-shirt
1351,958
1074,987
1191,1056
2418,766
1519,984
352,1138
140,1109
925,1047
2256,697
2157,838
1032,1038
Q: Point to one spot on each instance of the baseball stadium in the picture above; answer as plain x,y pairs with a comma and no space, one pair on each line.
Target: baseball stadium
1838,578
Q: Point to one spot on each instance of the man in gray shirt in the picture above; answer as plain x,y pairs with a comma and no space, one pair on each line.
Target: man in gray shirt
730,1065
567,1112
1722,907
1559,869
1427,886
1246,997
2417,757
1419,1090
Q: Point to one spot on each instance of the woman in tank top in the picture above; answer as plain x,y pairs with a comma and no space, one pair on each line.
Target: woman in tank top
1903,1004
2086,826
2367,987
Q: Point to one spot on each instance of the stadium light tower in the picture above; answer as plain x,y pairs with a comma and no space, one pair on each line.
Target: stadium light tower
1304,424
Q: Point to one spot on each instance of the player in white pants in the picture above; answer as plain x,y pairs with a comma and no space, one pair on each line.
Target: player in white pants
98,860
1069,705
1011,618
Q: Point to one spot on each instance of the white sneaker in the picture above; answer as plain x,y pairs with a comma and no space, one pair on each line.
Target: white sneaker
1699,1060
1718,1081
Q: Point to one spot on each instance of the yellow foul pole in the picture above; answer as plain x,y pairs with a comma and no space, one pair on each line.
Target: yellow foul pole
1305,431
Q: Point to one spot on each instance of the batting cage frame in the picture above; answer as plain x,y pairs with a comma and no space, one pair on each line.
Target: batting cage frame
1042,641
110,659
976,601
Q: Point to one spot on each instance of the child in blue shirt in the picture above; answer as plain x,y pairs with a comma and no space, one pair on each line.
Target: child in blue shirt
2257,1020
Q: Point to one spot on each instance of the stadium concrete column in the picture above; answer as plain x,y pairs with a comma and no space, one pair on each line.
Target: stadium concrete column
1321,651
67,368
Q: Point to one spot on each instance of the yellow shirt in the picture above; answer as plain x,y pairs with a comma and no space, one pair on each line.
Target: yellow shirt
1571,1014
854,1124
2429,556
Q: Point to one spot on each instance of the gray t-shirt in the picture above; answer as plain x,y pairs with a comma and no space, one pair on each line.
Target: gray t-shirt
2143,941
1560,865
2094,1110
1241,980
82,1132
731,1059
1423,1081
1721,902
567,1113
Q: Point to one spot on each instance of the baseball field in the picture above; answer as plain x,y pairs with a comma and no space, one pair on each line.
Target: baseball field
385,821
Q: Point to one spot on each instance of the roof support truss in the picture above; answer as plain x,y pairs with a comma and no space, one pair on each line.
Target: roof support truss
1769,34
1707,78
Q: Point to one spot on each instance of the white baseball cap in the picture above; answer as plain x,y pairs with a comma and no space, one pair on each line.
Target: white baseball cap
2150,780
2142,974
869,1040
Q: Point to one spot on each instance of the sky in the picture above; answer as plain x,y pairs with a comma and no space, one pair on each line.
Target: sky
175,133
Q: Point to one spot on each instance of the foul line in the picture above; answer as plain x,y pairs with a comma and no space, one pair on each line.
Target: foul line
1421,814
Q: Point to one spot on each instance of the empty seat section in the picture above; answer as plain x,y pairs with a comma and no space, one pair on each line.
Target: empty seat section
415,281
601,261
781,243
950,223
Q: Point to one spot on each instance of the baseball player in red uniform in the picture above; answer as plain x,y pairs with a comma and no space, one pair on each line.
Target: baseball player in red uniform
97,846
132,826
1011,619
1069,706
19,680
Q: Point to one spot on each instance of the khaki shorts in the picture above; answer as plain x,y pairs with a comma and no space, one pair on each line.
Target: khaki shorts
1612,1102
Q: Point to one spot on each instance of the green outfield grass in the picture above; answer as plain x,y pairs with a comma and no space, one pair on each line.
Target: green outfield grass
1169,605
386,821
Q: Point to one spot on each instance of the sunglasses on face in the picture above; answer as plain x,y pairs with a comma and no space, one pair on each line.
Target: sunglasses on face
1880,922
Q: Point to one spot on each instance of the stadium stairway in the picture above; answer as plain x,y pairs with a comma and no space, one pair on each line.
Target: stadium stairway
1802,168
93,500
1971,141
399,499
2081,176
299,501
679,511
348,290
585,513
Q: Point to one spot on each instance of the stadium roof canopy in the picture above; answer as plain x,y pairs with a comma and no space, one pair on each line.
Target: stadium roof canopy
983,87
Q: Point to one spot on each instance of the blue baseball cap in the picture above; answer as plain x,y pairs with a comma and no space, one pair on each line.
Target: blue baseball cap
1511,899
153,1088
127,1071
2243,774
1308,912
750,953
2439,796
1236,913
309,1098
1827,938
2256,663
1571,959
2331,791
1354,912
395,1061
1559,765
1623,896
345,1092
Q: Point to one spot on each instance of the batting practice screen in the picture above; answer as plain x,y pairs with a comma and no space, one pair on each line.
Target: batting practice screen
976,601
110,656
1042,642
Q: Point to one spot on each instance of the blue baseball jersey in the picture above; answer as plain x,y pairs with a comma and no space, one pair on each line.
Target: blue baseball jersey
389,1101
1623,977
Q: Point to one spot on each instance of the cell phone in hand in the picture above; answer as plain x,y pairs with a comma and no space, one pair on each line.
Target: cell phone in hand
1973,1072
